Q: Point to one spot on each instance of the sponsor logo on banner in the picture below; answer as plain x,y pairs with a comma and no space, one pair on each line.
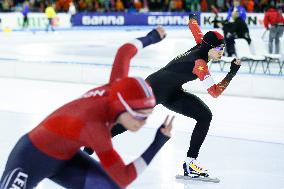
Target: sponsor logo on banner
102,20
167,20
254,20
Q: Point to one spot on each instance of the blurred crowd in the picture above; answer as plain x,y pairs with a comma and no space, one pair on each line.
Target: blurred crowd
138,5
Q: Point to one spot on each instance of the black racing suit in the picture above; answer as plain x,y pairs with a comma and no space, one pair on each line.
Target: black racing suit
167,87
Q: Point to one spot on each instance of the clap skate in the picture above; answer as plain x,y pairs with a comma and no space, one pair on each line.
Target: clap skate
195,172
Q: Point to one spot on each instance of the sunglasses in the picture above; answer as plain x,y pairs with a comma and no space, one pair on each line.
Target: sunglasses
134,114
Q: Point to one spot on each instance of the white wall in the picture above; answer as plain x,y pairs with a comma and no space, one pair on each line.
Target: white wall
247,85
70,56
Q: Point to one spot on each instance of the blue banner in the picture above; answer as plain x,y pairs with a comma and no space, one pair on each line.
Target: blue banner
131,19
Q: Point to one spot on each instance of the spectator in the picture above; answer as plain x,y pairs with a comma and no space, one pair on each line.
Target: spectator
220,4
175,5
6,5
72,12
62,5
236,29
236,7
172,5
209,4
25,12
107,5
137,5
119,5
50,14
250,6
145,6
203,6
274,22
157,5
178,5
239,28
263,4
192,5
217,22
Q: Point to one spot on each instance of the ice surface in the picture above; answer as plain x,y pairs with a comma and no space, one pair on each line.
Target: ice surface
244,148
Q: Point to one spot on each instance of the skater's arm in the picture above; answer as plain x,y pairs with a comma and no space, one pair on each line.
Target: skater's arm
195,30
123,174
124,54
127,51
201,70
265,21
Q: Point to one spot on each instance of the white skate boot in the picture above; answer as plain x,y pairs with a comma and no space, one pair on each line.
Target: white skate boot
194,171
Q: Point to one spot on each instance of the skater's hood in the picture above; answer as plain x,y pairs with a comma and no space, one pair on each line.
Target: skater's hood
133,92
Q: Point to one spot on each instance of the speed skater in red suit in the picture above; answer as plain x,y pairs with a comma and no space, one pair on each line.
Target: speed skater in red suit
52,149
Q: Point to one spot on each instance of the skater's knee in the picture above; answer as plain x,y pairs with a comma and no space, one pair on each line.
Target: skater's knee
205,116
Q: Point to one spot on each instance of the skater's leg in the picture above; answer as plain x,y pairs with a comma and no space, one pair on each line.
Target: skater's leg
27,166
272,35
83,172
277,40
190,105
52,24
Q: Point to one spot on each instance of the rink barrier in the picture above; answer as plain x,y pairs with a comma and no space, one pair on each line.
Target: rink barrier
246,85
13,21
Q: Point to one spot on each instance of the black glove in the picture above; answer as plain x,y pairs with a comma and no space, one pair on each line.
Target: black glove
234,67
160,137
192,16
154,36
157,144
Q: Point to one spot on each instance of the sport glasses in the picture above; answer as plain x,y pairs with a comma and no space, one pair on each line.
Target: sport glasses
219,48
134,114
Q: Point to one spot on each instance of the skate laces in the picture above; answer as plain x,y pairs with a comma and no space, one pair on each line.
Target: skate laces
197,166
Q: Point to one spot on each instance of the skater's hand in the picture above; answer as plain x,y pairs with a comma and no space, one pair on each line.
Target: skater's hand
167,126
237,61
235,65
192,16
161,31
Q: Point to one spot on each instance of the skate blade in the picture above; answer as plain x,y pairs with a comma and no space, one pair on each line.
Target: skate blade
203,179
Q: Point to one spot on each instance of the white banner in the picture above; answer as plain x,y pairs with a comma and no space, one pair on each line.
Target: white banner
36,20
254,20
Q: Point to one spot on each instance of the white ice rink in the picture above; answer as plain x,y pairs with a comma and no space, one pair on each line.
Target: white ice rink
245,145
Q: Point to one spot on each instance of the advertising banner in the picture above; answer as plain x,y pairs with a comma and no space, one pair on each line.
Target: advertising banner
131,19
39,20
254,20
36,20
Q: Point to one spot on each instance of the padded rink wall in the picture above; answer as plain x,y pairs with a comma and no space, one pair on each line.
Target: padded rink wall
248,85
